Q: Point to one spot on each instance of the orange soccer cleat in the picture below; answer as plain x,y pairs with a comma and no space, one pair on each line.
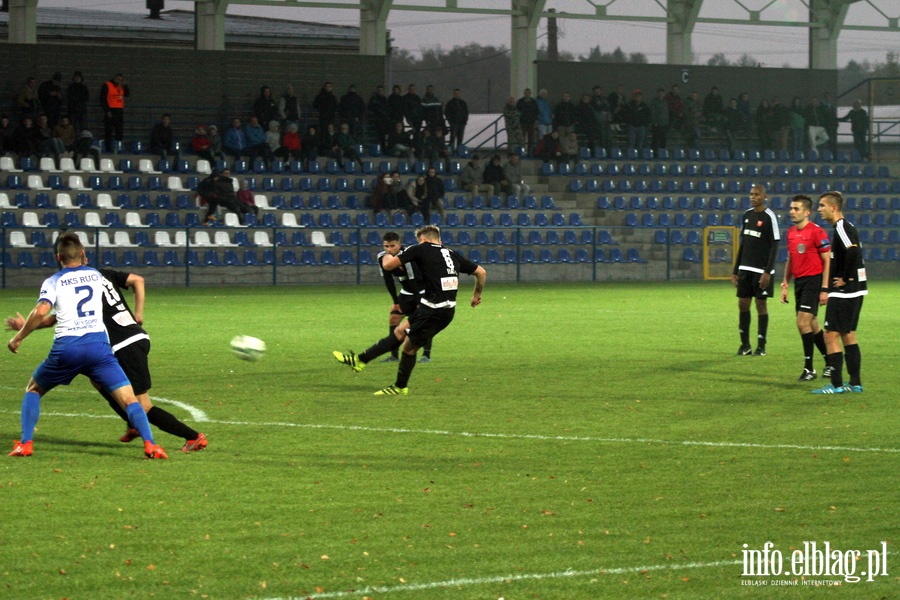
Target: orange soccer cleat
21,448
152,451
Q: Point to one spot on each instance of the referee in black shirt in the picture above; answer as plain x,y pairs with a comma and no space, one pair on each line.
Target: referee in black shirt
754,267
439,269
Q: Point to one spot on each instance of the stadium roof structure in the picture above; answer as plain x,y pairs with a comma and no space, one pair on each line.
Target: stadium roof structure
176,29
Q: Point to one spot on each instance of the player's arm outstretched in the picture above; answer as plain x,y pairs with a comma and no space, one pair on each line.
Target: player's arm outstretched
34,320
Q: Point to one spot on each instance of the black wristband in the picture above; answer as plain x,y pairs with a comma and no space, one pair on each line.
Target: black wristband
824,289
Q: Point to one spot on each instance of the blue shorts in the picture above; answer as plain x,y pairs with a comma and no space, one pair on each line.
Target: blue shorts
90,356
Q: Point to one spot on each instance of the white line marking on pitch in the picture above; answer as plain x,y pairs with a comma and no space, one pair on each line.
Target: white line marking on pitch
450,583
507,436
198,415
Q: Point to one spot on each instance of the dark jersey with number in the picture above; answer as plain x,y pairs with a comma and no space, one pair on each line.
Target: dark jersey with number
406,275
438,268
847,262
759,242
123,330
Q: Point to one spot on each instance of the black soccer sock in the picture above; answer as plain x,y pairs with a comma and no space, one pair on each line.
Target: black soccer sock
166,421
836,362
808,344
854,362
744,328
762,327
391,332
426,349
115,406
380,347
820,342
404,370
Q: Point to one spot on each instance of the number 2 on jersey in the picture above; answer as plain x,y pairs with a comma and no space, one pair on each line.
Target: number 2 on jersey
85,300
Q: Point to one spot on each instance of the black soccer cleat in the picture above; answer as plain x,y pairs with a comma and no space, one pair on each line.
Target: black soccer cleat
745,351
826,373
760,351
807,375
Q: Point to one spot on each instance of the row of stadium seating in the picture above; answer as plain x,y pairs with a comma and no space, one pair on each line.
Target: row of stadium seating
733,186
732,203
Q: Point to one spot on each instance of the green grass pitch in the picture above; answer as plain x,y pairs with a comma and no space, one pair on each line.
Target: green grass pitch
567,442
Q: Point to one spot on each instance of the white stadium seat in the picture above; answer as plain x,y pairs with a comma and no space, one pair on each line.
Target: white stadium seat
133,219
64,201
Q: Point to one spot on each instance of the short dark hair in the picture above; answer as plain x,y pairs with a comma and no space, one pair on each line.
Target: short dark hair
835,198
803,199
391,236
68,247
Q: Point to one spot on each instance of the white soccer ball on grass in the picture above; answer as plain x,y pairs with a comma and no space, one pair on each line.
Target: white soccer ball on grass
248,348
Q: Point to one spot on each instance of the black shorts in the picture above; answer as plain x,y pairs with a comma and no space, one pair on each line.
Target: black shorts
408,304
133,360
842,314
806,293
748,285
425,323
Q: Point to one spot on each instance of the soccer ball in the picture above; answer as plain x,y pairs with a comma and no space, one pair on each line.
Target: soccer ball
248,348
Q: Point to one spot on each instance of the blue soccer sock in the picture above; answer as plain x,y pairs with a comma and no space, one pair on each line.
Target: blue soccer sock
31,411
138,419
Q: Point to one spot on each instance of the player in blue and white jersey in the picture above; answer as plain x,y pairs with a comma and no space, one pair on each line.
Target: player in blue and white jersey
80,345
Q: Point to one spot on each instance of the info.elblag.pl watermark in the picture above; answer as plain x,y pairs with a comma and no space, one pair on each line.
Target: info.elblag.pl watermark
813,564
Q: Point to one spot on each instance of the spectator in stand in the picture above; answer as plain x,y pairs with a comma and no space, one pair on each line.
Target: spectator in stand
352,110
690,122
309,146
65,132
637,118
400,142
385,195
216,190
329,145
434,147
50,95
545,114
257,147
512,174
200,144
714,109
48,144
493,175
734,124
412,111
292,143
600,106
781,119
273,139
416,196
84,148
434,198
512,122
326,103
659,121
245,197
586,122
528,115
77,96
347,143
215,142
265,108
831,122
472,178
6,135
112,101
743,106
378,116
457,114
162,139
289,106
798,125
28,102
549,149
235,142
617,102
395,107
859,126
564,115
764,124
432,109
676,107
569,146
816,119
